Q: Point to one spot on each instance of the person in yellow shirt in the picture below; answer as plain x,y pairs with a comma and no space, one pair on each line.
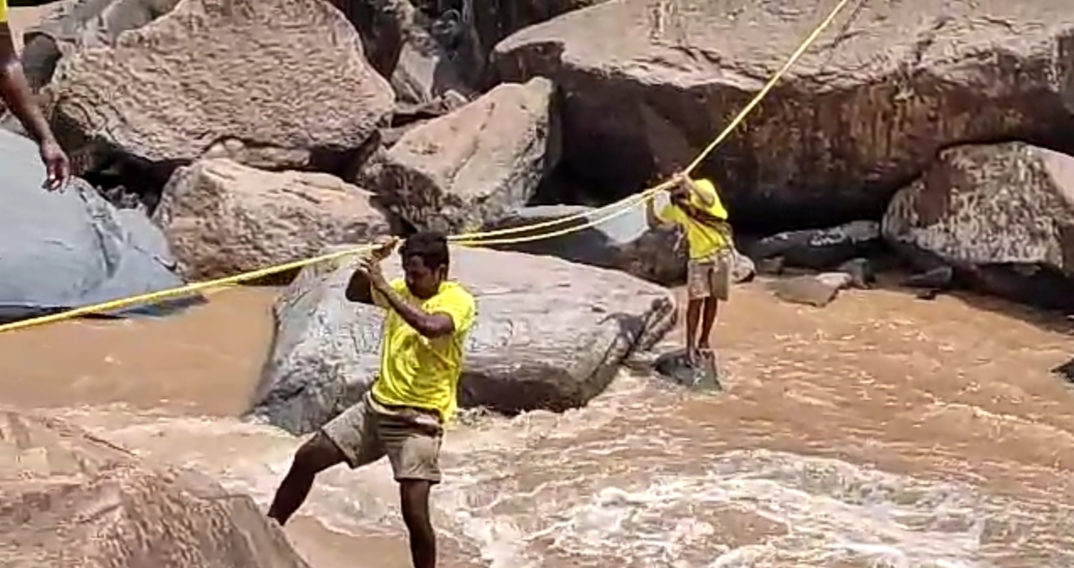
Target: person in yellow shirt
427,322
695,206
19,99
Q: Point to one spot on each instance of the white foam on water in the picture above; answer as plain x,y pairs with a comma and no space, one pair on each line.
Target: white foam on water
547,490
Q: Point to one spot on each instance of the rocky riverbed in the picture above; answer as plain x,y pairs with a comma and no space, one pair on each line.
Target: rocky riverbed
921,145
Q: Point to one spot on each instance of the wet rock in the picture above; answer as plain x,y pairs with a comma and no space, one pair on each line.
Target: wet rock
457,172
180,88
222,218
1066,371
819,249
1001,217
675,367
860,271
817,290
550,334
840,133
71,499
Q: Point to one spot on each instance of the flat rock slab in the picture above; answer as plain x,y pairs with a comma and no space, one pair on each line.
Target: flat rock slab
271,83
70,499
550,334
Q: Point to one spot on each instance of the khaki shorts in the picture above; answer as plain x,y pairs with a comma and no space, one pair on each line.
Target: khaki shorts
710,277
368,430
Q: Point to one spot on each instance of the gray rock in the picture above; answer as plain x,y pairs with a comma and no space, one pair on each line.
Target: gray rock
862,274
624,243
674,366
817,290
550,334
819,249
223,218
459,171
865,108
182,87
1000,217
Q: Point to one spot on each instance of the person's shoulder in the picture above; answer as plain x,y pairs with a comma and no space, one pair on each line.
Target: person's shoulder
398,284
454,291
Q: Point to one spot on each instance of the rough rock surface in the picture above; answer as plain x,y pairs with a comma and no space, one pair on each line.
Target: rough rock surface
863,112
550,334
461,170
623,243
69,499
222,218
1002,216
819,249
272,83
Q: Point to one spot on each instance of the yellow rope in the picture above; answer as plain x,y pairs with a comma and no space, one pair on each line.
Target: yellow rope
480,238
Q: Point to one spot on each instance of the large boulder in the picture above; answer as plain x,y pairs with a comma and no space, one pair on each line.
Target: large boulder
461,170
70,499
550,334
272,83
865,109
222,218
66,250
1000,216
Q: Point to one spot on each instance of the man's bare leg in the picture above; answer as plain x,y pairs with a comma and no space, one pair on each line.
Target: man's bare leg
316,455
414,498
693,318
708,319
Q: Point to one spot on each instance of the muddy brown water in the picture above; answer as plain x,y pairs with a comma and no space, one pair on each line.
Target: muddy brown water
879,431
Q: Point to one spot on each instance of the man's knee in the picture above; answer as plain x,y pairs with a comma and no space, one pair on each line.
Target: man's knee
316,455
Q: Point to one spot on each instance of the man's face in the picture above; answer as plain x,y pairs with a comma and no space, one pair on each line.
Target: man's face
421,280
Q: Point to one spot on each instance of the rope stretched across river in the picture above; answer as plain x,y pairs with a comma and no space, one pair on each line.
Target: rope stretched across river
480,238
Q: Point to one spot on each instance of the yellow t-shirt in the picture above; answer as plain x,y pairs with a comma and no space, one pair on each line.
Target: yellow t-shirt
3,11
417,371
702,239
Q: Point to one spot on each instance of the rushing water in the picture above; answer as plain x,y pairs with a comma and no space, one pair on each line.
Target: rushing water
880,431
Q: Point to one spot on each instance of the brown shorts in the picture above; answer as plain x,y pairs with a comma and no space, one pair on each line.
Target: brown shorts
710,277
409,437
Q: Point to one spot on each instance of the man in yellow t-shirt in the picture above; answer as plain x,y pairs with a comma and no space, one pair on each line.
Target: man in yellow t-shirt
18,98
695,206
427,322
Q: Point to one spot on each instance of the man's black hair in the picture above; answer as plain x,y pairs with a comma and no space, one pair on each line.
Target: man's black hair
430,246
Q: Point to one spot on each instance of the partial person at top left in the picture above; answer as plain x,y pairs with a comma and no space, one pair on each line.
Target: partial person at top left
18,97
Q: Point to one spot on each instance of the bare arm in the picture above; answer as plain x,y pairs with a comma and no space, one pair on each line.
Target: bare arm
427,324
16,90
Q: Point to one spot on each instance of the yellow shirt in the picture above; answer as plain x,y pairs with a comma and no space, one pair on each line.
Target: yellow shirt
3,11
702,239
417,371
